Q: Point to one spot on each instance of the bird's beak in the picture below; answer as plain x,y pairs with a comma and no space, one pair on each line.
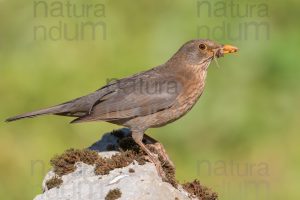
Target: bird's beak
229,49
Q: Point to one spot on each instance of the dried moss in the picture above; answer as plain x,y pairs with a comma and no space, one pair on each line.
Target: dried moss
123,159
170,174
65,163
113,194
54,182
127,143
194,188
130,170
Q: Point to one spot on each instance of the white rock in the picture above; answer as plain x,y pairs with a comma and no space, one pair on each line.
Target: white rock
143,183
82,184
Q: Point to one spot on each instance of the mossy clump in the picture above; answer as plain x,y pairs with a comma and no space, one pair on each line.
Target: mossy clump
113,194
170,174
123,159
129,151
55,181
65,163
127,143
195,189
130,170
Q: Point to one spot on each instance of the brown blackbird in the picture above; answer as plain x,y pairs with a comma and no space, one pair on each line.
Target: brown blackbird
148,99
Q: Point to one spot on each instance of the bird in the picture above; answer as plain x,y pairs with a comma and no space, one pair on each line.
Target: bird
149,99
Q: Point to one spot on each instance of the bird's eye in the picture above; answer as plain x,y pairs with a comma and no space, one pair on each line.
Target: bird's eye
202,46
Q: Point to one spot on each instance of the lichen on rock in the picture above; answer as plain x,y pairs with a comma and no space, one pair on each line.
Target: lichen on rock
113,194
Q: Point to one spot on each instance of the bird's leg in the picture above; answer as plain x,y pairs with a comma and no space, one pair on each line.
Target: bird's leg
159,147
138,137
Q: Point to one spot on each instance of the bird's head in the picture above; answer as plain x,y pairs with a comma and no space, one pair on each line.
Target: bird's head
202,51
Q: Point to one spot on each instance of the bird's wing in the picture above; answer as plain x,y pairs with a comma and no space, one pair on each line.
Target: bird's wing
139,95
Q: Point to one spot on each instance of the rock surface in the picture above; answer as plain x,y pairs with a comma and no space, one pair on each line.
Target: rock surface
132,182
141,183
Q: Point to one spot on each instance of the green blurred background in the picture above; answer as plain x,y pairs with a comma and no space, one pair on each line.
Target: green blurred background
241,139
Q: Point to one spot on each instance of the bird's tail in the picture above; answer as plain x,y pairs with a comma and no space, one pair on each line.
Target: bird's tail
52,110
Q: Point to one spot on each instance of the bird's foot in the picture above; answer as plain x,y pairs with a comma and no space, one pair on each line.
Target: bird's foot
154,158
157,155
162,152
159,148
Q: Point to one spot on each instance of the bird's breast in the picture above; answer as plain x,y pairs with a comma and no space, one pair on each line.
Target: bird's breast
193,86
